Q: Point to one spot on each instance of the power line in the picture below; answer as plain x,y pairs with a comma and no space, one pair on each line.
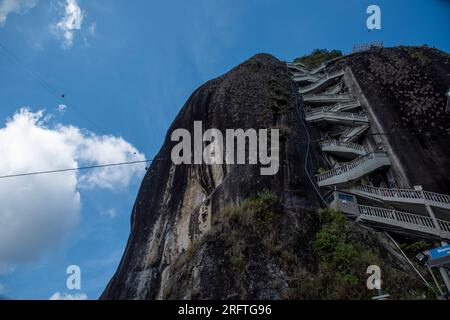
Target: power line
46,85
308,145
80,168
160,159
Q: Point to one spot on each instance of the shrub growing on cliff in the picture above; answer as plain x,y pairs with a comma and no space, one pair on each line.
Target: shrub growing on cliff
343,253
318,56
254,221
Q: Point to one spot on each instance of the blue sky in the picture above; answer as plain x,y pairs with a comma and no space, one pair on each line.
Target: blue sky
129,66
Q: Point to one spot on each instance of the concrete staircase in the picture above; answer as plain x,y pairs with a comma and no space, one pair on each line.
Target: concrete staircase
408,211
343,149
326,99
297,77
325,115
298,67
353,133
402,196
404,222
344,106
349,172
322,82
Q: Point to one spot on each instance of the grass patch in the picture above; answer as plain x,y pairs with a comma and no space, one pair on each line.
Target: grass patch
317,57
343,255
251,223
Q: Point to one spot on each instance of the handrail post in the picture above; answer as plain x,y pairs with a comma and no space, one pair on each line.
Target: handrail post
431,213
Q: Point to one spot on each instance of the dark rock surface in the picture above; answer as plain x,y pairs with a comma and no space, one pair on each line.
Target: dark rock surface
406,89
166,217
173,251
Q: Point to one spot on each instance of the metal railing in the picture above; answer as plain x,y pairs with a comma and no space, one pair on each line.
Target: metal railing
318,68
353,132
298,67
444,225
322,81
304,77
409,194
400,216
319,96
405,220
324,111
335,89
296,64
345,105
368,46
348,145
349,166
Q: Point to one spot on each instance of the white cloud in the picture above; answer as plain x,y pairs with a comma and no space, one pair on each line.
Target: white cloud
91,149
69,23
36,212
111,213
68,296
14,6
92,28
62,108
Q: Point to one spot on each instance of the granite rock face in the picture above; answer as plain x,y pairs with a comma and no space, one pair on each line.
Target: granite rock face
177,250
405,89
175,204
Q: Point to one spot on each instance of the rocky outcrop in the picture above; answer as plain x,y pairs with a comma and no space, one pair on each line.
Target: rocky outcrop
404,90
196,235
176,204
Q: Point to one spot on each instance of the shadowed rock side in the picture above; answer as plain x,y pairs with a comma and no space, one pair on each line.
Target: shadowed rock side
166,218
194,235
405,89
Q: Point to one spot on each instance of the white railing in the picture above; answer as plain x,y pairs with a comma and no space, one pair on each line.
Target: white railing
345,105
335,89
399,216
444,225
352,132
409,194
307,97
367,46
296,64
298,67
318,68
349,166
335,114
304,77
322,81
405,221
347,145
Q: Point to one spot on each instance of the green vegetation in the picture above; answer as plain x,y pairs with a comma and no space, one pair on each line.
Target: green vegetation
343,256
236,227
254,221
419,56
280,96
318,56
249,235
321,170
412,247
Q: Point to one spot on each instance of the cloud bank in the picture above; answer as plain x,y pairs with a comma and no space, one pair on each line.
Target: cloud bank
37,211
14,6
